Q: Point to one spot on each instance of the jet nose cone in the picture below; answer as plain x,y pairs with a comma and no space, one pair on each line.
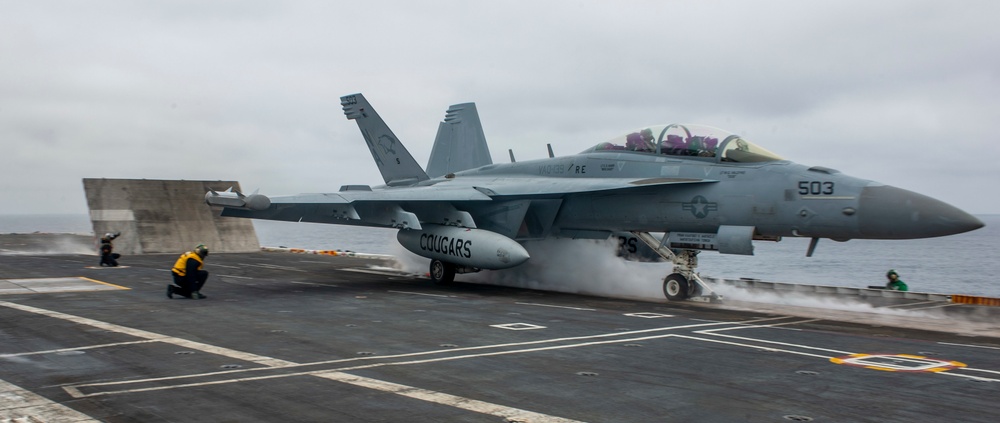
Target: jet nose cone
887,212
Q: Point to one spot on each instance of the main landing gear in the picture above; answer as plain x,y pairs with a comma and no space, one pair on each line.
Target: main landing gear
443,273
684,282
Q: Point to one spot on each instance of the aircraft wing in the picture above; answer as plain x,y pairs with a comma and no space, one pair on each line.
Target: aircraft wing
533,186
407,206
381,207
478,189
391,195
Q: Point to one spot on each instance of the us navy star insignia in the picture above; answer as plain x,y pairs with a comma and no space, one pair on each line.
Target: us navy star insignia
699,206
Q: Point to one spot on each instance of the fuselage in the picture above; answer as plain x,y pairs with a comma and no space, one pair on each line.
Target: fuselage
776,197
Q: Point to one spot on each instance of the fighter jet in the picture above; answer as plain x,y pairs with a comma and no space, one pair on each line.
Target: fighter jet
703,188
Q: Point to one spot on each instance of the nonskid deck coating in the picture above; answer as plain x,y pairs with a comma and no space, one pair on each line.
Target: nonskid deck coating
300,338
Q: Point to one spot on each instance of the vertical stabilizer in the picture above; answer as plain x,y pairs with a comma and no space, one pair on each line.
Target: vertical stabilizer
394,162
460,142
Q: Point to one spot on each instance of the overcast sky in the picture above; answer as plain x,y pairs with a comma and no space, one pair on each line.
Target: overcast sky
905,93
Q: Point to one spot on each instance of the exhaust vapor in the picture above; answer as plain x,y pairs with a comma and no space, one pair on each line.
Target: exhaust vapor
593,268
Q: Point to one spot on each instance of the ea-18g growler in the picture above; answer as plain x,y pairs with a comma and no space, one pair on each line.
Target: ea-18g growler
701,187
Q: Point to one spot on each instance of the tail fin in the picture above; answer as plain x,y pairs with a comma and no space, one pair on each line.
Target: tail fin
460,142
394,162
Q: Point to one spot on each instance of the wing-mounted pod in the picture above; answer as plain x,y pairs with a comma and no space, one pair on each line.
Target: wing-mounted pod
236,199
397,166
475,248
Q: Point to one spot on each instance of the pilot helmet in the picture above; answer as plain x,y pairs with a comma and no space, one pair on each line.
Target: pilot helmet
201,250
646,134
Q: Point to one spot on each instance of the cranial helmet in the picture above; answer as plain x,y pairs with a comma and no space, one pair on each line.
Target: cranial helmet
201,250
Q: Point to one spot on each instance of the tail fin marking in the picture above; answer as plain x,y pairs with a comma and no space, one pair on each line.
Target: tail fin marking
393,159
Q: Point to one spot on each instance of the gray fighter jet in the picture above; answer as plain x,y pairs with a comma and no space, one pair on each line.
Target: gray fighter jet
701,187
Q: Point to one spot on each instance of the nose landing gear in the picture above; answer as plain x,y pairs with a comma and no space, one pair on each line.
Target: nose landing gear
684,283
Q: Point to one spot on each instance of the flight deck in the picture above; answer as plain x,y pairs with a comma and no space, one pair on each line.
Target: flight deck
314,338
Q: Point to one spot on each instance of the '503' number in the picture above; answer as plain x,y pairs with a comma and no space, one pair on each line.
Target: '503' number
815,188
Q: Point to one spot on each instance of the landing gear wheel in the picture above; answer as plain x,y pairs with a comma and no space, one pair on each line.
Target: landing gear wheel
442,273
676,287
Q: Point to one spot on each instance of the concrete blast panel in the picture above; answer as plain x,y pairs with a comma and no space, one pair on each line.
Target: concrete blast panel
159,216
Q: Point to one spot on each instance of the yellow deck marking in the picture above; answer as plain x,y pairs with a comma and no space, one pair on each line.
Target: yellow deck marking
898,363
103,283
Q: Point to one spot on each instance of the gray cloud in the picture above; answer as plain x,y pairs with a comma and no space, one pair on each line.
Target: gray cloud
900,92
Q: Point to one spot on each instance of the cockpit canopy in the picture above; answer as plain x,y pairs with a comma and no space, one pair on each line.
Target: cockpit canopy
689,141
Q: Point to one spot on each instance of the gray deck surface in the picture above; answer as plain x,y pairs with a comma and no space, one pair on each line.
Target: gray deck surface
306,338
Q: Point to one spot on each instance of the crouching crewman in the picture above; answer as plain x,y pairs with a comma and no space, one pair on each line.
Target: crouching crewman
188,276
108,255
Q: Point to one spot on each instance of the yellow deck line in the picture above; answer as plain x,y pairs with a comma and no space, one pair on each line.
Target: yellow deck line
102,283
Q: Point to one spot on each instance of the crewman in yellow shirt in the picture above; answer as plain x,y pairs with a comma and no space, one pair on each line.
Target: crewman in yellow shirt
188,275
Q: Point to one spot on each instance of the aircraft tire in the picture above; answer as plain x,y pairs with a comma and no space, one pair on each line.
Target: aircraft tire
442,273
676,287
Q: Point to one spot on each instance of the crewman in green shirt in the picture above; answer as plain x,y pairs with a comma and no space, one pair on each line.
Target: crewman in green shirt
895,283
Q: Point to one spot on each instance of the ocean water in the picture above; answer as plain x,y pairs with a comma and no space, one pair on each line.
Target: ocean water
46,223
968,263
